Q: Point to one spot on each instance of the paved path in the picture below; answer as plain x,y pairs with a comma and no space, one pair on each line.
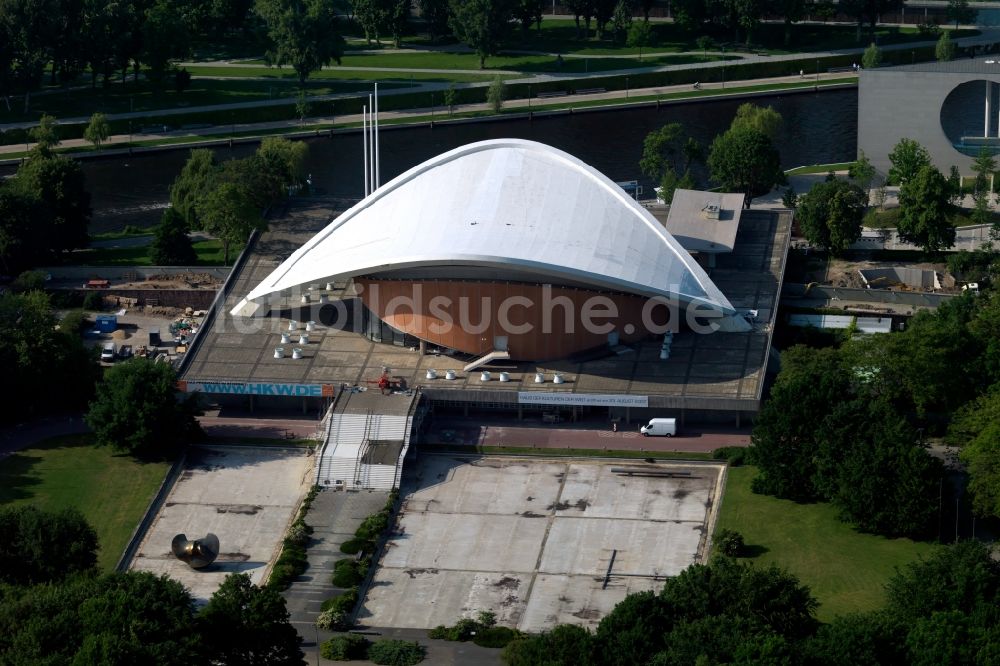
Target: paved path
594,436
334,517
268,428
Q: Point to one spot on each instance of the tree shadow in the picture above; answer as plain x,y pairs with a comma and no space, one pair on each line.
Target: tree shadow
16,478
754,550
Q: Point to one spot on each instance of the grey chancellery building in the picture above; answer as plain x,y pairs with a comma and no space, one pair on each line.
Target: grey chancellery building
951,108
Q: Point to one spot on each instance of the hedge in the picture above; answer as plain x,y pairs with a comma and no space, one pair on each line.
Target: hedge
345,648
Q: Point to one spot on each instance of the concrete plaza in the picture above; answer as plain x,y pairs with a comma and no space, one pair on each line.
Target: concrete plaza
534,540
246,496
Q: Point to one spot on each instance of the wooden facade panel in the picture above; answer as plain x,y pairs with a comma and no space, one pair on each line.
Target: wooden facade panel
539,322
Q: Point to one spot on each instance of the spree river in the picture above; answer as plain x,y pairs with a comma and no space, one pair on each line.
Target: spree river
818,128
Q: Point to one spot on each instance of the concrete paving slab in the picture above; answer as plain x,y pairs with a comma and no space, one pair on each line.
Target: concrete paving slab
594,491
580,600
433,597
585,546
463,541
244,495
544,530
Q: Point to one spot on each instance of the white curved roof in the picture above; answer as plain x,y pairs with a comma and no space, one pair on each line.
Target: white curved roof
508,204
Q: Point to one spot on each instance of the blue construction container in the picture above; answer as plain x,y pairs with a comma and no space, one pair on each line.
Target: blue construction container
107,323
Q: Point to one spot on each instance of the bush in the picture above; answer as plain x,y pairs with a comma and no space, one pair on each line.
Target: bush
439,632
495,637
373,526
730,542
393,652
345,574
346,602
353,546
75,322
735,455
92,301
463,630
298,534
344,648
331,620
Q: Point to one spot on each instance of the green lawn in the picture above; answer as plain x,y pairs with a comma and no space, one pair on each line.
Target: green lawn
209,254
845,570
111,491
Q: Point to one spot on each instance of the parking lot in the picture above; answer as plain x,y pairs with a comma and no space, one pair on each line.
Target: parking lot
244,495
538,542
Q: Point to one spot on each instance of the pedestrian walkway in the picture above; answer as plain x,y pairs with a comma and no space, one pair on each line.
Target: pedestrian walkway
334,517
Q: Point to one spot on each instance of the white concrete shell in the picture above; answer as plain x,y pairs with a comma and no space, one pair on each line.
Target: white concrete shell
505,204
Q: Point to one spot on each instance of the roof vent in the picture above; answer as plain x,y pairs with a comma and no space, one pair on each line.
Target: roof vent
710,211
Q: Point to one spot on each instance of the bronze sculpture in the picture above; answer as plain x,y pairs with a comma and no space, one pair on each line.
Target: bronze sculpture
198,553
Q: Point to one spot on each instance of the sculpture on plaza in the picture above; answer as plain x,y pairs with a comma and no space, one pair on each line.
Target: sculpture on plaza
198,553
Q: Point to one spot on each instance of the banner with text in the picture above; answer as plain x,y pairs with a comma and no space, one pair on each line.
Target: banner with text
257,388
581,399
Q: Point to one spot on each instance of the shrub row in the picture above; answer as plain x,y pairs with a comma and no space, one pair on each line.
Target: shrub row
293,560
482,631
388,652
350,572
735,455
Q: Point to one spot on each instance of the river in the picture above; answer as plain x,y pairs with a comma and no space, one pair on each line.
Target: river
818,128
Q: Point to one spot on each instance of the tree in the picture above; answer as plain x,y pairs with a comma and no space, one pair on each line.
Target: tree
159,615
171,244
284,160
763,119
744,160
449,98
944,50
528,12
959,11
45,135
976,428
435,15
872,57
863,173
581,9
246,625
831,213
345,647
136,410
661,149
793,11
871,466
906,159
481,25
603,11
563,644
164,37
783,443
860,639
303,34
926,211
621,21
229,214
58,184
192,185
97,130
960,577
496,93
38,546
729,542
640,35
302,106
24,242
398,19
31,27
33,350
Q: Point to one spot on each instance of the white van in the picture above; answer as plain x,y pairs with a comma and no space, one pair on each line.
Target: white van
659,428
108,352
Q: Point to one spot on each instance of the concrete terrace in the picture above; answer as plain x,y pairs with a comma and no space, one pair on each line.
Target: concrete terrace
717,371
539,542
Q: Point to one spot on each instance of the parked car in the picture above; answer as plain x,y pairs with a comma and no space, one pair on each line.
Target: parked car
108,352
125,352
660,428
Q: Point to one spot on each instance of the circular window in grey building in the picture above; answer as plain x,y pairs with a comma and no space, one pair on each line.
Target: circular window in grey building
970,117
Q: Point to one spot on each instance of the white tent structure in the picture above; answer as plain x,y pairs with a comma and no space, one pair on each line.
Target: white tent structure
508,208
